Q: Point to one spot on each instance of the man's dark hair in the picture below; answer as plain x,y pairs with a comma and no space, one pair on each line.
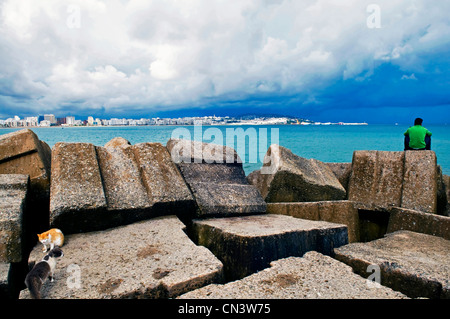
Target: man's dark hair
418,121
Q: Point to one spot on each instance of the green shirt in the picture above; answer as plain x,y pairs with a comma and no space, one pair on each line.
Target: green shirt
417,136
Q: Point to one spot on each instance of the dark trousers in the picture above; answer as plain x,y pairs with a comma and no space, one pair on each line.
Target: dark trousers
427,143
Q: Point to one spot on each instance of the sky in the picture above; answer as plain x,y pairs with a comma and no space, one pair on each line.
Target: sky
376,61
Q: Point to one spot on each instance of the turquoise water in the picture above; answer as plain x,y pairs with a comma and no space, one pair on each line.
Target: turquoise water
334,143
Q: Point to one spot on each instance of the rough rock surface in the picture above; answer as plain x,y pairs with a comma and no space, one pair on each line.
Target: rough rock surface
286,177
340,212
166,188
95,188
216,178
13,217
415,264
147,259
248,244
22,152
313,276
419,190
383,179
77,198
377,178
419,222
122,183
342,171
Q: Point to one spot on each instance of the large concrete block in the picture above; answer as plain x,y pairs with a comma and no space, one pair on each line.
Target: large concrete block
248,244
377,178
227,199
419,222
22,152
340,212
77,198
216,178
13,217
413,263
147,259
96,188
286,177
122,182
166,188
420,181
313,276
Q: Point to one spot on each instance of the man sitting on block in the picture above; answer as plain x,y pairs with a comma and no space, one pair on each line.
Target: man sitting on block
417,137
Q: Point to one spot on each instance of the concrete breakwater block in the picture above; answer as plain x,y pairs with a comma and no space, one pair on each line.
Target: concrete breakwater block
22,152
383,179
286,177
313,276
420,181
413,263
77,198
216,178
377,178
95,188
14,219
248,244
419,222
341,212
147,259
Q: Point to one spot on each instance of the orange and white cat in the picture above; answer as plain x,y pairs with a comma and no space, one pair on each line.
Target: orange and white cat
53,237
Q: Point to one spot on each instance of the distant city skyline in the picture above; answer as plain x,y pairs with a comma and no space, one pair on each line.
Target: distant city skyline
353,61
48,120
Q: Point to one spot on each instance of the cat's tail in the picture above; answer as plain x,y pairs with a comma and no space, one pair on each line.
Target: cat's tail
33,285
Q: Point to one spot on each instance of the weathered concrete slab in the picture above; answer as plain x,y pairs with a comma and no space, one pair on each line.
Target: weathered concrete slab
419,190
415,264
122,183
203,173
227,199
166,188
13,217
187,151
248,244
292,178
313,276
340,212
148,259
419,222
216,178
77,198
22,152
377,178
96,187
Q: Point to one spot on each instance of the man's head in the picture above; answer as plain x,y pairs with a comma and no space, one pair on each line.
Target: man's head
418,121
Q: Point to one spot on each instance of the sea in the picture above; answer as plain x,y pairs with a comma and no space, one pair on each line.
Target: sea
327,143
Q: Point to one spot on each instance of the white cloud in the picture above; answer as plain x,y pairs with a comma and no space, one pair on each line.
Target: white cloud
170,53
